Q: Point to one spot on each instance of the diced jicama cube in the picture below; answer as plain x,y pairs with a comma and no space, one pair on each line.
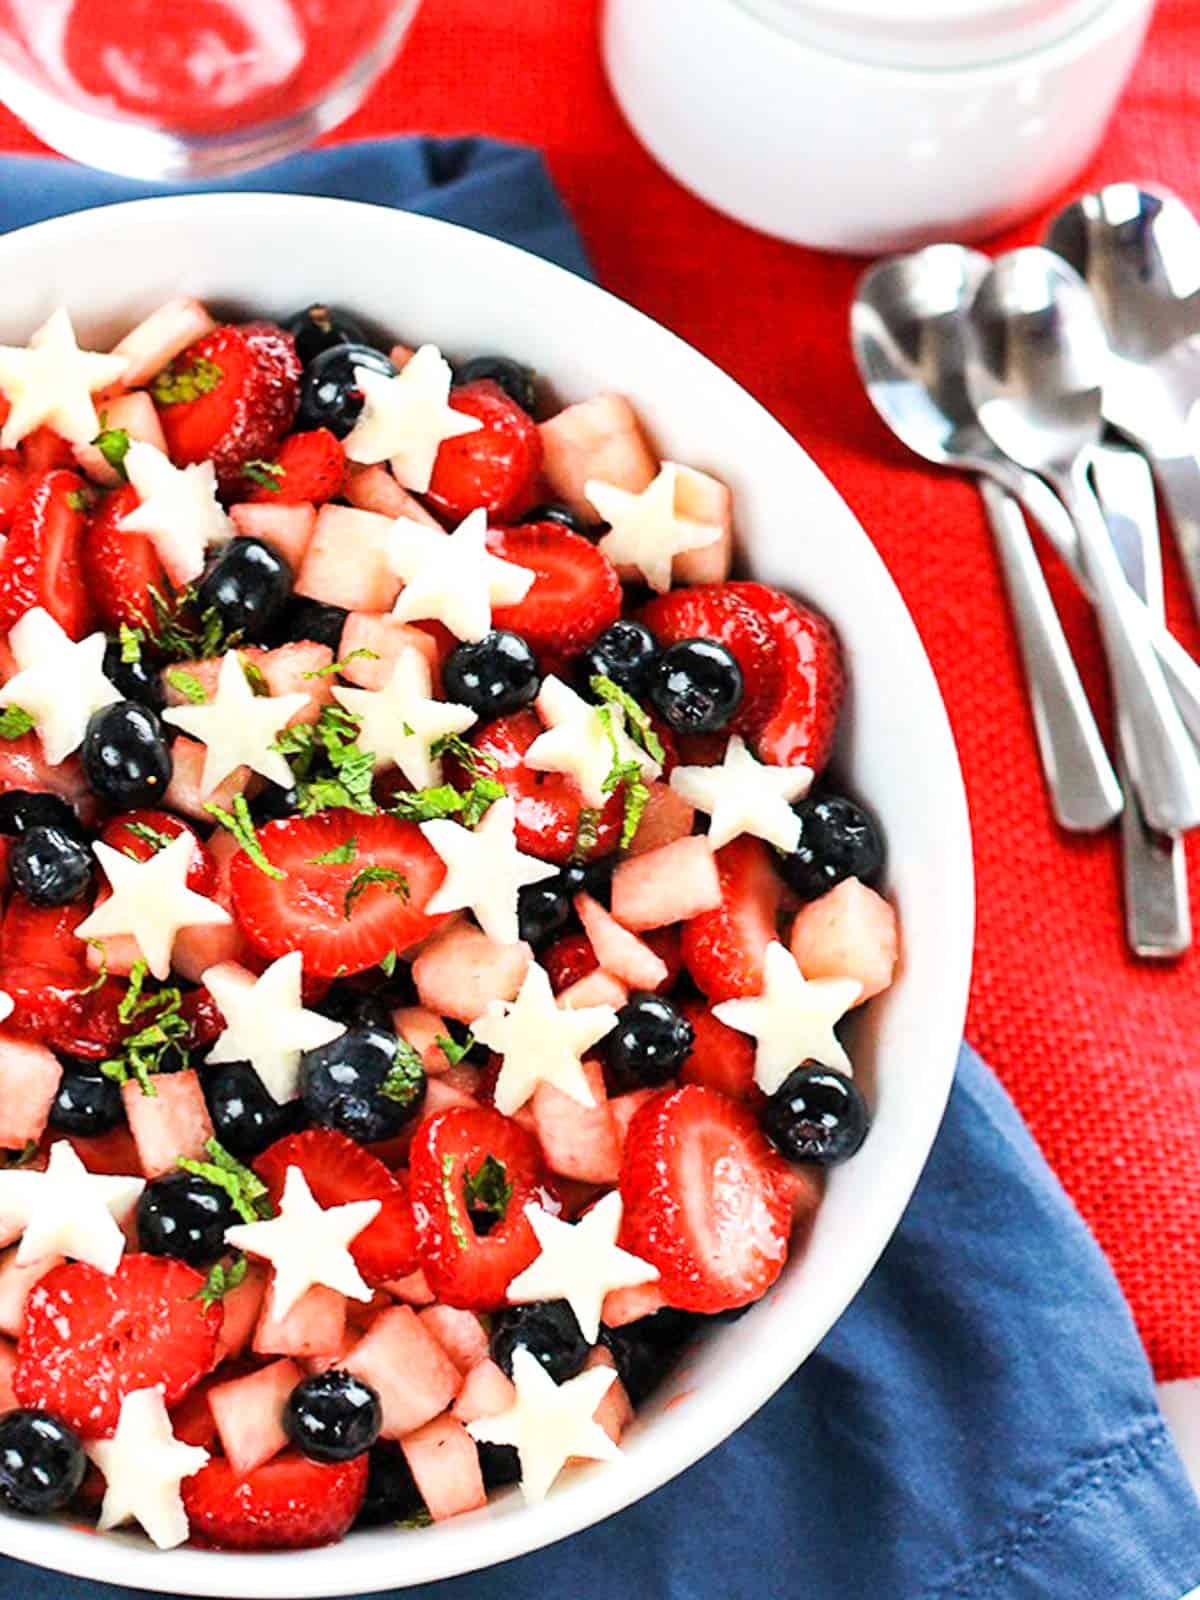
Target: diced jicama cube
170,1123
667,817
300,668
134,414
210,945
248,1413
460,1334
445,1466
669,884
185,792
596,989
286,528
29,1079
851,932
179,678
242,1308
598,438
413,1290
413,1376
486,1392
618,951
701,498
15,1284
578,1141
624,1107
8,1365
335,1358
346,563
423,1029
157,340
441,1096
374,489
314,1326
615,1411
631,1305
460,971
388,639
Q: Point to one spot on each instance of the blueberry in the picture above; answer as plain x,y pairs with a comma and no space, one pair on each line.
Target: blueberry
26,808
360,1085
310,619
839,839
816,1114
500,1465
543,910
275,803
518,382
136,680
696,686
41,1462
563,515
649,1043
125,756
548,1330
245,1117
50,866
185,1216
319,327
645,1350
357,1008
86,1102
333,1416
329,393
392,1494
247,584
624,652
492,677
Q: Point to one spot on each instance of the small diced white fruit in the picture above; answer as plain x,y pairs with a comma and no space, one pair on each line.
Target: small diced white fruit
670,884
286,528
300,667
185,792
701,498
29,1079
444,1462
597,988
157,340
346,563
667,817
631,1305
374,489
134,414
443,1096
15,1284
314,1326
460,971
598,438
248,1413
624,1107
851,932
413,1290
578,1141
197,949
406,1366
618,951
242,1308
422,1029
486,1392
615,1411
170,1123
460,1334
387,639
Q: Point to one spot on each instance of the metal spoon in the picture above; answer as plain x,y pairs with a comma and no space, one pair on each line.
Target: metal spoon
908,325
1035,370
1139,252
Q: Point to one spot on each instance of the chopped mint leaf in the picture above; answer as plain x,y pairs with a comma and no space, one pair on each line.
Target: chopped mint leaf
101,977
15,721
453,1203
444,800
452,1050
361,654
330,769
339,856
395,881
477,763
186,379
221,1279
266,474
178,640
487,1190
241,826
637,720
113,445
388,965
131,644
421,1518
405,1083
186,684
253,675
625,775
154,837
77,499
164,1028
22,1157
245,1189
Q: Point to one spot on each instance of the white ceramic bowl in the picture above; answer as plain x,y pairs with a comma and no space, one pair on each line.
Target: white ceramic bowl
427,280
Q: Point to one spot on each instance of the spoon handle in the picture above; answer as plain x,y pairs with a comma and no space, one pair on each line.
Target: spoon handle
1179,480
1164,768
1083,787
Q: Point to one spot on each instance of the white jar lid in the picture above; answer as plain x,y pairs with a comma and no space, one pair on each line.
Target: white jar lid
926,34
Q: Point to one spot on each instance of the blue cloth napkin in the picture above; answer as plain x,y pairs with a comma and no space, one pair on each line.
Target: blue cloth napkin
982,1421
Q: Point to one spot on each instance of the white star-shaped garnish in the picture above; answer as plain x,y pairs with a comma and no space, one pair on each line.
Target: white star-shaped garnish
7,1005
151,901
580,1262
549,1422
400,722
266,1023
744,795
541,1042
179,512
307,1244
792,1019
143,1465
485,872
238,727
52,382
646,530
67,1210
59,682
405,418
453,577
583,740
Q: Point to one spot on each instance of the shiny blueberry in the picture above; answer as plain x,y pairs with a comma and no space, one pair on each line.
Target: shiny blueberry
50,866
319,327
649,1043
392,1495
185,1216
329,393
245,1117
275,803
624,652
333,1416
816,1114
548,1330
311,620
27,808
247,584
499,1465
494,676
125,756
362,1084
696,685
136,680
518,382
357,1008
839,839
563,515
86,1102
543,910
42,1462
646,1350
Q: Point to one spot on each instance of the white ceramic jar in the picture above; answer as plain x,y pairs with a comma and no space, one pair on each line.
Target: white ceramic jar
872,125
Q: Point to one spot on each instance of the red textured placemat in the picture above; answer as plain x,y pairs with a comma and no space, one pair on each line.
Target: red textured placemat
1101,1053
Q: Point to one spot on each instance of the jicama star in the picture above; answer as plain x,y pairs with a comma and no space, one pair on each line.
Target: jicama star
150,901
744,795
646,530
143,1465
406,418
485,872
179,513
266,1023
59,682
67,1210
400,722
52,381
792,1020
238,727
541,1042
580,1262
586,741
452,577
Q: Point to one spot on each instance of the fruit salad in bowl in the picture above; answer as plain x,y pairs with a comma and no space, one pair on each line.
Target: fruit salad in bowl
436,936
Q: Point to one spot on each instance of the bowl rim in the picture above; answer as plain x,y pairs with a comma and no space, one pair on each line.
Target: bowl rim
594,1492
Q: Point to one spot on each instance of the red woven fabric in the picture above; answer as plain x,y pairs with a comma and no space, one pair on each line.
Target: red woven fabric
1101,1053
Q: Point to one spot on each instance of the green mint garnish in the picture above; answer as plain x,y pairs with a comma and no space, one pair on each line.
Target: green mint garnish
637,720
405,1082
330,769
395,882
113,445
221,1279
253,675
361,654
487,1190
154,837
241,826
186,684
15,722
245,1189
388,965
131,644
587,833
164,1028
185,380
452,1050
339,856
266,474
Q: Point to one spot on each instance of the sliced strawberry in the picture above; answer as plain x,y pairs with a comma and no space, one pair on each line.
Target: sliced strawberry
495,467
720,1057
574,597
309,466
716,611
549,805
132,833
43,450
307,908
90,1338
43,968
122,568
339,1171
470,1257
290,1503
666,946
229,398
42,562
13,482
704,1199
800,725
204,1017
723,949
568,959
